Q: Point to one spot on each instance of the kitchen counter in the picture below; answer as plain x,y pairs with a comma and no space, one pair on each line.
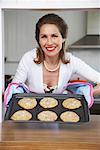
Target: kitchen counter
88,41
50,136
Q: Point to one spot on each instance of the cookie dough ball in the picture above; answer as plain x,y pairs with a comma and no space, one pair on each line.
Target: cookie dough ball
27,103
47,116
21,115
69,116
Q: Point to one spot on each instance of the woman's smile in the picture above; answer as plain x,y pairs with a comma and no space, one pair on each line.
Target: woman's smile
51,48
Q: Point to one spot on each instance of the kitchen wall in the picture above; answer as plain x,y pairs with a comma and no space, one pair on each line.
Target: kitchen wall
19,27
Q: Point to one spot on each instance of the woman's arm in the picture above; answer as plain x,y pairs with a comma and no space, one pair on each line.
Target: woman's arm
21,72
86,71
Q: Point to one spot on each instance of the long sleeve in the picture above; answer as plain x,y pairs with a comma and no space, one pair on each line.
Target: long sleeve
21,73
85,70
29,72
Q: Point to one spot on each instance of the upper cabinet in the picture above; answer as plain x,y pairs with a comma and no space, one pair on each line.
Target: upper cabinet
93,22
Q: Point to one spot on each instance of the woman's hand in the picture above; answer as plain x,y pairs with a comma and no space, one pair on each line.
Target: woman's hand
96,89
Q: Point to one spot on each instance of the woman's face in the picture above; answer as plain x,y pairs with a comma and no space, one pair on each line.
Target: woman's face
50,40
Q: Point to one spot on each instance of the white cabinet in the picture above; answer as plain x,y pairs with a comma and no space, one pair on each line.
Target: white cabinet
93,22
19,33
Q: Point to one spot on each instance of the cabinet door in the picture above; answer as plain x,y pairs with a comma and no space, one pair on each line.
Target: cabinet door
93,22
19,33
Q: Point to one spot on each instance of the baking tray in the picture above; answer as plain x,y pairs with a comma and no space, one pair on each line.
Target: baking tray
82,112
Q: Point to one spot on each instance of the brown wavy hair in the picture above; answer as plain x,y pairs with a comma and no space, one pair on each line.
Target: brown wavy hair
63,29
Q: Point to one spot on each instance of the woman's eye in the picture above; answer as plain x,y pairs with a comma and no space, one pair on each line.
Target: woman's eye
44,36
54,35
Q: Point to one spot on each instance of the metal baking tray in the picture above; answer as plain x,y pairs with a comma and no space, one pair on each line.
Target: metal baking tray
82,112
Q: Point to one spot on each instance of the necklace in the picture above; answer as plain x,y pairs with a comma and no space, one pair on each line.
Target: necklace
51,70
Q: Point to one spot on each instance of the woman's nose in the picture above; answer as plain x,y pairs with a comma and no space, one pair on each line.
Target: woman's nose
49,41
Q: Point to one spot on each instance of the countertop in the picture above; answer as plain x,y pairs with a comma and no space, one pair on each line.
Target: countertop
88,41
50,136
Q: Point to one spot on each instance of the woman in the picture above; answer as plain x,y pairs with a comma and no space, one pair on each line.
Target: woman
49,67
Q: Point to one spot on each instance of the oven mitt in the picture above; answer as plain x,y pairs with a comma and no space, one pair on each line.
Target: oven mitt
14,88
83,88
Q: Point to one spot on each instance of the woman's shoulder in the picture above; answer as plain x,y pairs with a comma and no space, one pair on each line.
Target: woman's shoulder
72,58
30,54
69,55
28,57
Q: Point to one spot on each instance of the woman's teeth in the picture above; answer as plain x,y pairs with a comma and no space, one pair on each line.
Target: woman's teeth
50,48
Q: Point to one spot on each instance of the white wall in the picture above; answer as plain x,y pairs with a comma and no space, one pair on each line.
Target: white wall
20,27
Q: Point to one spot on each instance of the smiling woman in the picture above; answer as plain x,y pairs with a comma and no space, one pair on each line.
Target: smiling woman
50,66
